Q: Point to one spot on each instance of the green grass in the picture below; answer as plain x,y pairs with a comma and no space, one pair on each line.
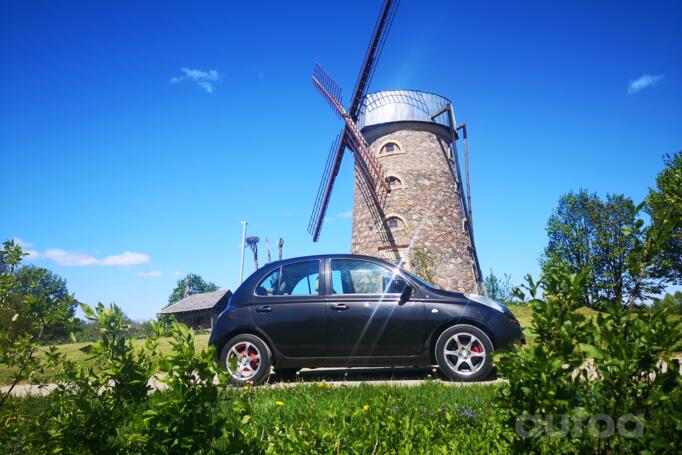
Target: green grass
319,419
373,419
524,314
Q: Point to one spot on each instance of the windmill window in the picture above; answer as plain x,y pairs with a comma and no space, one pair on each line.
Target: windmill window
390,148
394,182
395,223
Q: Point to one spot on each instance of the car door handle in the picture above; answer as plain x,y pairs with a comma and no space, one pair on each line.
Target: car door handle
339,307
264,309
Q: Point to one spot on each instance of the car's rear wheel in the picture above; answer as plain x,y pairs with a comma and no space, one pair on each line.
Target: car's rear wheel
247,359
464,353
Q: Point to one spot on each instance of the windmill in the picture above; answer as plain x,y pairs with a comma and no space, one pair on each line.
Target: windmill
408,183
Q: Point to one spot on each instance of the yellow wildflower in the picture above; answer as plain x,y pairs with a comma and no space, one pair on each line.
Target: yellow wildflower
365,407
279,403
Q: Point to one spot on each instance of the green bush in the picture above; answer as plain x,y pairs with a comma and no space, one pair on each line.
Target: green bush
577,373
111,409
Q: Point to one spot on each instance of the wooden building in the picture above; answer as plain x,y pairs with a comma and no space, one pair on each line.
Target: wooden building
199,311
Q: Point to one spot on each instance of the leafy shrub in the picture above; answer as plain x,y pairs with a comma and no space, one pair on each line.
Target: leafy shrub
110,409
576,370
183,419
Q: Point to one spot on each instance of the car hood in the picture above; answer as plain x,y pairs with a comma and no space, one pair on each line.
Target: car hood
459,297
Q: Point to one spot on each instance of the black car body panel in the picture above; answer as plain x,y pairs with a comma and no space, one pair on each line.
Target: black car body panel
330,329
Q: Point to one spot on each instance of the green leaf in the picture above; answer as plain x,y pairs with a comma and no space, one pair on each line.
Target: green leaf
88,311
592,351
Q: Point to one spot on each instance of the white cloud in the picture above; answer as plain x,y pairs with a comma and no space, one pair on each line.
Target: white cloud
31,254
125,258
206,80
76,259
644,81
150,274
176,273
346,214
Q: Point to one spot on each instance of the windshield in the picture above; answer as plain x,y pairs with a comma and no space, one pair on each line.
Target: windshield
419,279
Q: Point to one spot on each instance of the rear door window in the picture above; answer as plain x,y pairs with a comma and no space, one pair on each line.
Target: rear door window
301,278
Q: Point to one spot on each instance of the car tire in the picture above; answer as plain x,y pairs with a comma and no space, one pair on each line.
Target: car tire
247,359
463,353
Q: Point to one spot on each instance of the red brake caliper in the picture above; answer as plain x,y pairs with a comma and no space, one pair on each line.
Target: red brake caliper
254,362
476,348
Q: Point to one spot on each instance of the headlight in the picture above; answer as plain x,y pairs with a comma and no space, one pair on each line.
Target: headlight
487,301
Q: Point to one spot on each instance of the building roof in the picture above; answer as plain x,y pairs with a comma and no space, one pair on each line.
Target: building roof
197,302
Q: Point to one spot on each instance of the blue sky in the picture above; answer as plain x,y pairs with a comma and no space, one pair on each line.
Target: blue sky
122,171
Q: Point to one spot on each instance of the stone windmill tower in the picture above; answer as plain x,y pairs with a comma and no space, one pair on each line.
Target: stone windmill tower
409,193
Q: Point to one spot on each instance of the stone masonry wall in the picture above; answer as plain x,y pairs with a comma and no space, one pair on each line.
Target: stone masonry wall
428,204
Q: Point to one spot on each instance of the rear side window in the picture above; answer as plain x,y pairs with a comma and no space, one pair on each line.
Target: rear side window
302,278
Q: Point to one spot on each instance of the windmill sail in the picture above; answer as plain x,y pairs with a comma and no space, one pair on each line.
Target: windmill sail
376,44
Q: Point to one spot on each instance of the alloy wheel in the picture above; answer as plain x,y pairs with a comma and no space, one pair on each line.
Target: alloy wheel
464,353
243,360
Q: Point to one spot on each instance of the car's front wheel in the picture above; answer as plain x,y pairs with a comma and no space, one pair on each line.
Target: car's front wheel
247,359
464,353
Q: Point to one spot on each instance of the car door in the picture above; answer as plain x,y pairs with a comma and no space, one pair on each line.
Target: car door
289,308
364,315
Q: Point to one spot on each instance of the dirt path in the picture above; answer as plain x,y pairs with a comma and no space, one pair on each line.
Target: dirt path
336,377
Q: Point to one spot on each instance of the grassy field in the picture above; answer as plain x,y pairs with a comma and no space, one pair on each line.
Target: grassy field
72,350
373,419
318,419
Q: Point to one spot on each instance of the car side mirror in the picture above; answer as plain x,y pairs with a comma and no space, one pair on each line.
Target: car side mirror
406,294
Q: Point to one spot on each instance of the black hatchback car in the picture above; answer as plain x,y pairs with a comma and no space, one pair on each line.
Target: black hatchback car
351,311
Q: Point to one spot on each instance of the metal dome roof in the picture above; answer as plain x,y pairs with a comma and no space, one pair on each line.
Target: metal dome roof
401,106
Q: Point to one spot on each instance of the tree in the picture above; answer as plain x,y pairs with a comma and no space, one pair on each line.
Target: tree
664,206
671,302
422,264
50,289
252,242
189,285
498,289
280,244
587,233
36,309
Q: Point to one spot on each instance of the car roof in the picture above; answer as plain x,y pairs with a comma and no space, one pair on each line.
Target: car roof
328,256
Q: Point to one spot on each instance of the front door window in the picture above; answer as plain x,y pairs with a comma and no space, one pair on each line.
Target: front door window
352,276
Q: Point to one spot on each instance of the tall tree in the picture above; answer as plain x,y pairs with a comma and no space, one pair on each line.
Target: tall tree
587,233
27,310
189,285
50,289
664,206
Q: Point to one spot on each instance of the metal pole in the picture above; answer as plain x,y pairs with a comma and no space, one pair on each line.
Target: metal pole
241,269
466,166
